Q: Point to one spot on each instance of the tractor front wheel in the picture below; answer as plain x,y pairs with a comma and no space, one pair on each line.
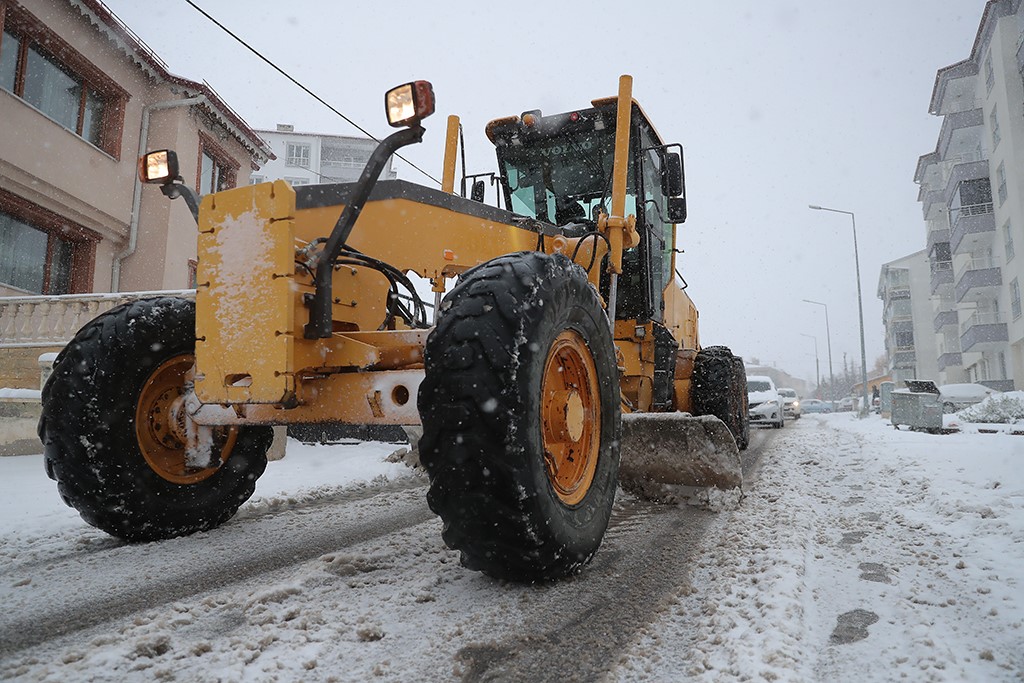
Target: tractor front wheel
117,439
521,421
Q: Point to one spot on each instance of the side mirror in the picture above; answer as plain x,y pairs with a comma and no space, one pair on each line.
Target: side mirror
677,209
477,193
408,104
158,167
672,175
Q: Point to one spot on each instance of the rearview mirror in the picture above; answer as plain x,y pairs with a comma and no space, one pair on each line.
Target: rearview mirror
672,175
477,193
408,104
677,209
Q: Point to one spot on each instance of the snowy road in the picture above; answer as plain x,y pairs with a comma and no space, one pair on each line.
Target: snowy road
858,552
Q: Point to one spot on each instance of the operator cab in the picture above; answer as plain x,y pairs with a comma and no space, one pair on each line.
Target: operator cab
559,169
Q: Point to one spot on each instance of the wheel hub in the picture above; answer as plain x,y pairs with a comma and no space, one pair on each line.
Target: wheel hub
166,435
570,416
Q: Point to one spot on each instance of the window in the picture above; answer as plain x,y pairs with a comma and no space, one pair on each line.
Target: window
990,77
1015,298
217,170
298,155
295,182
257,179
994,123
193,269
1001,178
41,252
1008,241
44,71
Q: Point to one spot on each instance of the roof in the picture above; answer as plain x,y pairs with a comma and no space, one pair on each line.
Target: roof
100,16
994,10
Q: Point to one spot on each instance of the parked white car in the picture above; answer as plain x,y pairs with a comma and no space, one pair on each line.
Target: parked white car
956,397
764,404
790,402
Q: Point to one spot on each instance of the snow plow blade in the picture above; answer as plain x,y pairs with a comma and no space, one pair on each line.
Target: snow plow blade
678,449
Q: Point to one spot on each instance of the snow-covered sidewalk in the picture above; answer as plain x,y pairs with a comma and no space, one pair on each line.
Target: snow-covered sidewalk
862,553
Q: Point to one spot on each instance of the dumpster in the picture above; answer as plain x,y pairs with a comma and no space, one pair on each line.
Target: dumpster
918,406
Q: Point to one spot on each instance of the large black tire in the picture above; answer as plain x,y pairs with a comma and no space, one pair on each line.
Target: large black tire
517,502
94,445
719,388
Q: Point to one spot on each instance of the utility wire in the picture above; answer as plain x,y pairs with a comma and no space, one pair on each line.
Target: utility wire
300,85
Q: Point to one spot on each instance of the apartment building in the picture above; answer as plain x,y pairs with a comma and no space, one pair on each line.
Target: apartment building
972,199
80,98
904,287
315,158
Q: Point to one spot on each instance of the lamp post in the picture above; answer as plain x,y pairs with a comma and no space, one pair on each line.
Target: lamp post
828,338
866,406
817,371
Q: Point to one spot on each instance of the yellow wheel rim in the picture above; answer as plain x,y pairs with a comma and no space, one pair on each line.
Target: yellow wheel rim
570,417
162,427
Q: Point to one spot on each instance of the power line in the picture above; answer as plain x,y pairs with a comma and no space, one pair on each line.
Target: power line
300,85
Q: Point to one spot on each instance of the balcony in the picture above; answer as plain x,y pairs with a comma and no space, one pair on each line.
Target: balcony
46,321
903,357
998,384
950,360
975,222
945,318
983,332
976,278
942,274
936,237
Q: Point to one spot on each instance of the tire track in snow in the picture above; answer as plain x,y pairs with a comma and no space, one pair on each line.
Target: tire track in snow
77,592
589,621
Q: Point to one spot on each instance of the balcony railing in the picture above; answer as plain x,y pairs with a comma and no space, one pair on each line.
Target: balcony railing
969,220
943,318
981,331
42,321
953,359
977,274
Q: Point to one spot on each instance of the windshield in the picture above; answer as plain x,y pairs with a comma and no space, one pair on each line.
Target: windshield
758,385
564,178
788,393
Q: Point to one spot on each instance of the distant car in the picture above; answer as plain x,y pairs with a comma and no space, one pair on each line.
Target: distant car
764,404
790,403
956,397
813,405
847,404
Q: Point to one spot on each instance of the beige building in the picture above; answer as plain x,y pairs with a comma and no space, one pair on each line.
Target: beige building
81,97
904,286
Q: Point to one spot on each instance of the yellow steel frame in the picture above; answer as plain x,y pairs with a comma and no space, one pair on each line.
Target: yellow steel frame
255,366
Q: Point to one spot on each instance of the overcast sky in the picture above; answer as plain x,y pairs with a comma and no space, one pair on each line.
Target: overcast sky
778,104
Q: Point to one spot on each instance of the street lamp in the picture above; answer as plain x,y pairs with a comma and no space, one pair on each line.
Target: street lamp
865,407
828,338
817,371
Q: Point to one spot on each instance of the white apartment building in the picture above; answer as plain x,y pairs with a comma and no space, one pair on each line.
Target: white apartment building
972,198
904,287
315,158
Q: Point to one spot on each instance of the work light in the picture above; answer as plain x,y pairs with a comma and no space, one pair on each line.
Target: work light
407,104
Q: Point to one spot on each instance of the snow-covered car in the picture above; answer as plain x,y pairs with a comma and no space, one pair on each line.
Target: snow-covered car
813,405
764,405
956,397
790,402
847,404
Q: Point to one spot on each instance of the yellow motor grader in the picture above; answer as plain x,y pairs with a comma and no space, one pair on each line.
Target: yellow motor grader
566,312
